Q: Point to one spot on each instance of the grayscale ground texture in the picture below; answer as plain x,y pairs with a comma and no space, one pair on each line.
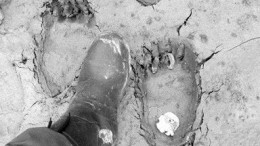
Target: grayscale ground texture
42,47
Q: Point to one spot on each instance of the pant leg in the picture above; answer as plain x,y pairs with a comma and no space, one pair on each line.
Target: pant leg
40,137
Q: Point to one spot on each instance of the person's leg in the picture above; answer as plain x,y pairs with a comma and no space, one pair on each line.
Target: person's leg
39,137
93,113
92,116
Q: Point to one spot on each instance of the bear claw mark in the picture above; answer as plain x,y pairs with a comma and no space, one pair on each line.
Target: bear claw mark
161,54
180,52
171,61
72,10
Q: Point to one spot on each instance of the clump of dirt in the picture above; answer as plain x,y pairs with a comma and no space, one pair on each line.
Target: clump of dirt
148,2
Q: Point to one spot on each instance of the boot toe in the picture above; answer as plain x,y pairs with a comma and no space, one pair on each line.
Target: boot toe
107,59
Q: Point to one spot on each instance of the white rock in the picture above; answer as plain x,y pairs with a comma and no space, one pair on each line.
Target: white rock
168,123
106,135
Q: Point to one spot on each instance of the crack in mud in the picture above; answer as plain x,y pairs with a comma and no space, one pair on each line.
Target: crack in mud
38,52
22,63
201,63
213,90
244,42
184,23
201,118
138,72
24,59
202,92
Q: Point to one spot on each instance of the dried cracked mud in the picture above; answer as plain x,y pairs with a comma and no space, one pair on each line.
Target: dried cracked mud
44,42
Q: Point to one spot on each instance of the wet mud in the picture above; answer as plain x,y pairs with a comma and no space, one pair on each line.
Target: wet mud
43,44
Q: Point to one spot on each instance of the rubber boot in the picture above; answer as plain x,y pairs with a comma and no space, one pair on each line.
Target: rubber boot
91,119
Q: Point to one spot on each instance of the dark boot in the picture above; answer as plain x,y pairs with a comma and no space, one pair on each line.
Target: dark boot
91,119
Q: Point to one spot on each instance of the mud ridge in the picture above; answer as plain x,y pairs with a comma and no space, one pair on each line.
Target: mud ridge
138,74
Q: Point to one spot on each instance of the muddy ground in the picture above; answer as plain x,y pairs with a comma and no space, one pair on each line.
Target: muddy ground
41,50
